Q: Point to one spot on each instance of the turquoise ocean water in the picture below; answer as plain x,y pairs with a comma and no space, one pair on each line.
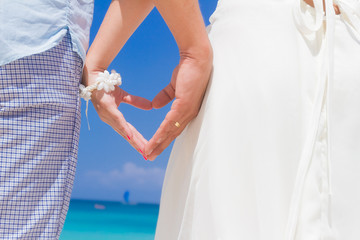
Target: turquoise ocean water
99,220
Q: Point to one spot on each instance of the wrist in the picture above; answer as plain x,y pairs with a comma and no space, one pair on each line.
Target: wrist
201,54
91,70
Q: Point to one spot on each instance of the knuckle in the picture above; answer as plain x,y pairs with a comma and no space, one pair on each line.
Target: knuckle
105,102
103,118
159,140
181,105
193,113
175,135
121,128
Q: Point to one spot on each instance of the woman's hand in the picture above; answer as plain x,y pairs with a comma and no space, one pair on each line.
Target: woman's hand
188,84
106,105
336,7
121,20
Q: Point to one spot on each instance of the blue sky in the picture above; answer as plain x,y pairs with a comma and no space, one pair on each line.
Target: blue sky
107,164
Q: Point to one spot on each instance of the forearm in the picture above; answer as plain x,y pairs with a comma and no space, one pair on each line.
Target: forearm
185,21
189,78
121,20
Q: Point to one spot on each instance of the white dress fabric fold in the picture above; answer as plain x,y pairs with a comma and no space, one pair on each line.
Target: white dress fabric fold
275,150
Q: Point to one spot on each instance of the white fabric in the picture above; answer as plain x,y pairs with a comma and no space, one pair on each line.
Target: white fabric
275,150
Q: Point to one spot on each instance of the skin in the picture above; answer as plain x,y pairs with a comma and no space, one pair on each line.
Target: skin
189,78
188,82
121,20
193,65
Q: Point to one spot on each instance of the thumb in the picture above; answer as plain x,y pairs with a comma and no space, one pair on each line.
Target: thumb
164,97
168,93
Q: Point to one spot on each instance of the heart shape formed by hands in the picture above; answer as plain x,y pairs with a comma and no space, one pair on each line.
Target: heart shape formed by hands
188,83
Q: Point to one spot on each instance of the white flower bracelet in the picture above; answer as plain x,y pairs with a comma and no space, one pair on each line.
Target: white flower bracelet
105,81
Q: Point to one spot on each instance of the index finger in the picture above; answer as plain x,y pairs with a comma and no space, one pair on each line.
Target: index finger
164,96
127,131
136,101
168,93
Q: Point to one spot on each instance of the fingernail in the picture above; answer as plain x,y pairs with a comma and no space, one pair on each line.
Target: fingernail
141,151
145,157
128,137
149,153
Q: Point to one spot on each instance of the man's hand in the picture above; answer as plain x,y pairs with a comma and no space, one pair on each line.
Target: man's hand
188,84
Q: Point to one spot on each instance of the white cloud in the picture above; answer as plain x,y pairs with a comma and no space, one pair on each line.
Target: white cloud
130,174
144,183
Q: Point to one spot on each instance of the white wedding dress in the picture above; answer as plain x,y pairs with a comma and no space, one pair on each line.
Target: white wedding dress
274,153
